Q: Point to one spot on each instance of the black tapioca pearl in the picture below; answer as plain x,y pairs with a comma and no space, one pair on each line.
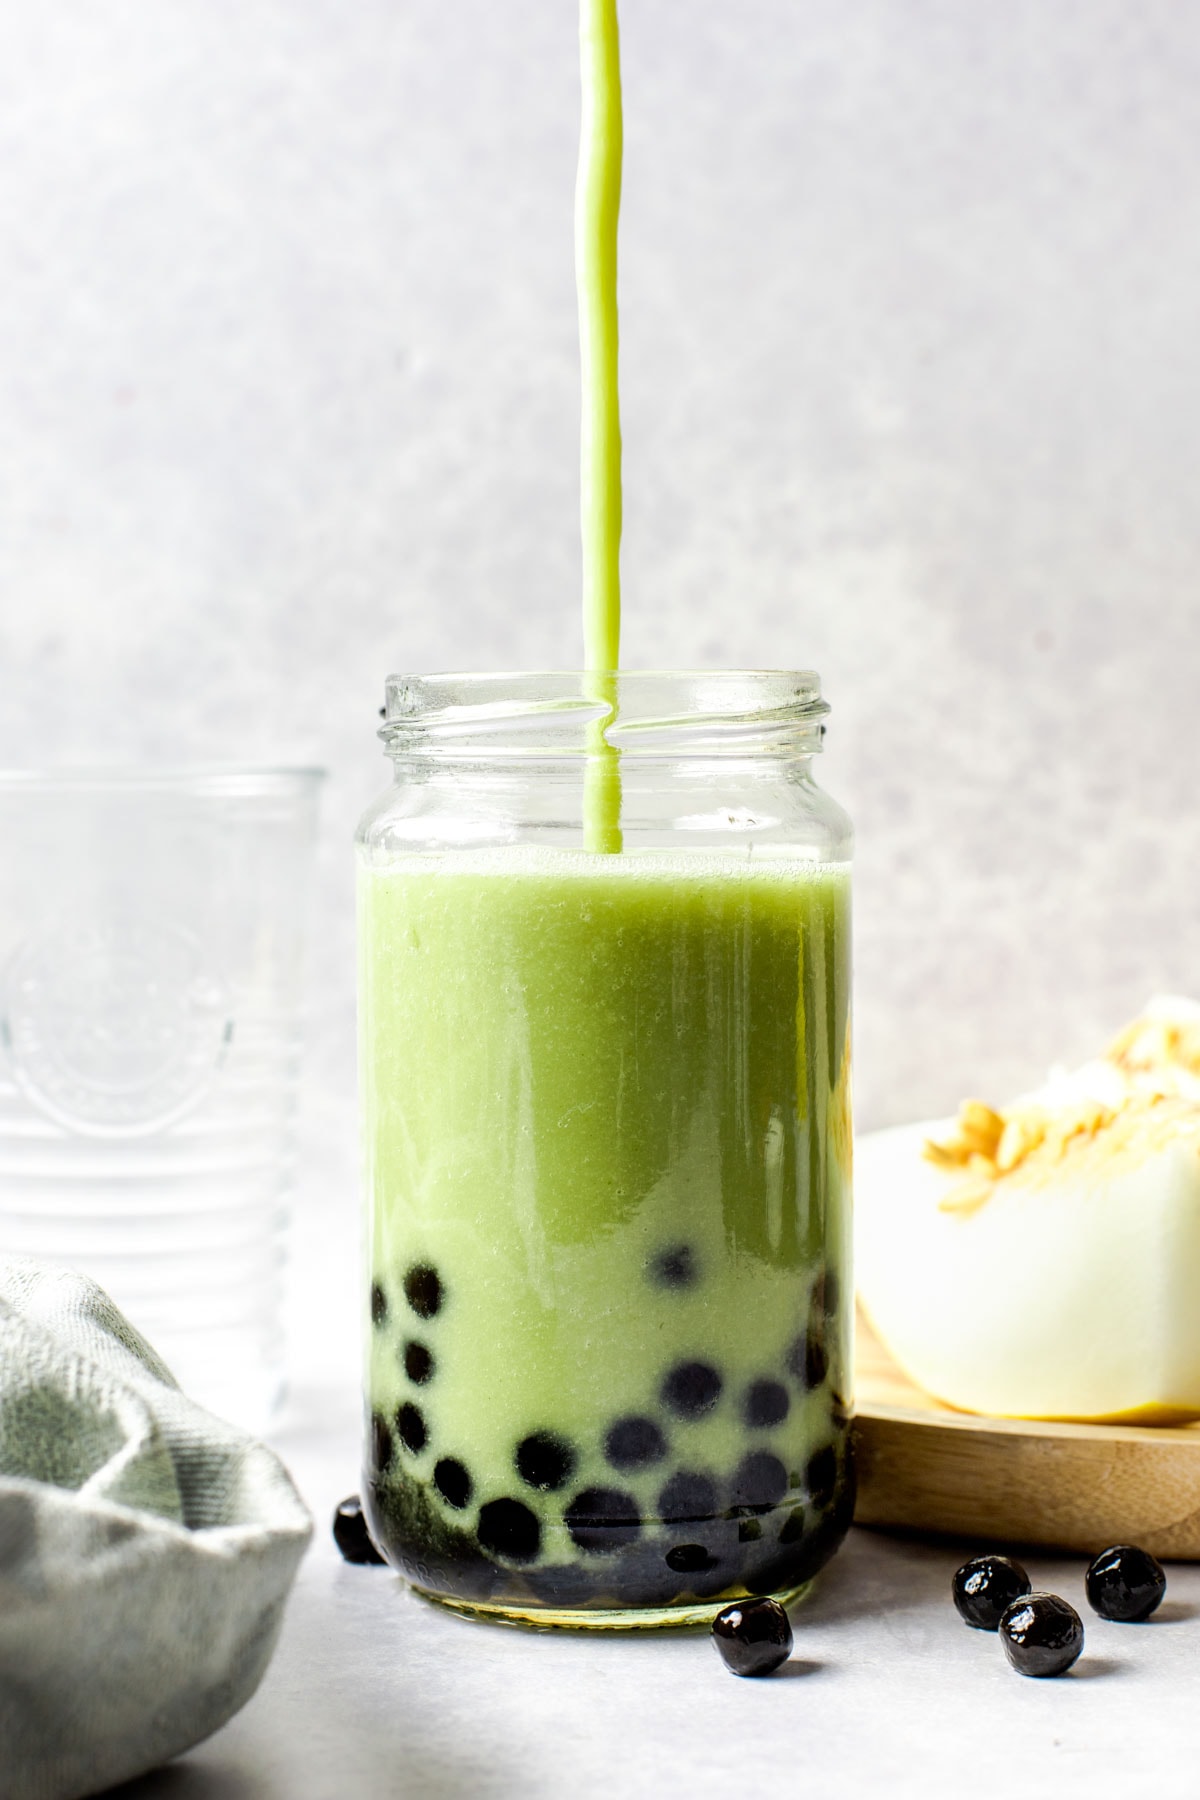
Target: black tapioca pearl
759,1482
452,1480
507,1528
807,1361
689,1559
411,1428
749,1531
716,1537
839,1410
1041,1634
753,1636
634,1443
674,1267
350,1533
379,1305
688,1497
423,1290
691,1389
381,1444
1125,1584
544,1461
820,1475
765,1403
602,1518
418,1362
826,1292
793,1526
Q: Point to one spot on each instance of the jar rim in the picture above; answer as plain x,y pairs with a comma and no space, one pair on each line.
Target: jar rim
677,712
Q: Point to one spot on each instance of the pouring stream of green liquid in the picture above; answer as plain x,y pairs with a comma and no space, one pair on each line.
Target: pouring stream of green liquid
597,204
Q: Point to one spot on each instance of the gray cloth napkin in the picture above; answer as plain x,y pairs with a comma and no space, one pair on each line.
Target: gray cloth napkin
146,1548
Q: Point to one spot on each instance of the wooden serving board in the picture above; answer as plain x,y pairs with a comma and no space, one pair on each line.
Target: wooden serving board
924,1467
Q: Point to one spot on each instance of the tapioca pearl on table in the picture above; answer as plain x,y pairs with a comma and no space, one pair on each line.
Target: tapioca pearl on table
545,1460
419,1362
984,1587
1125,1584
423,1290
691,1389
634,1442
379,1305
350,1533
411,1428
754,1637
452,1479
759,1483
601,1519
808,1360
382,1447
765,1403
676,1266
1041,1634
509,1530
688,1496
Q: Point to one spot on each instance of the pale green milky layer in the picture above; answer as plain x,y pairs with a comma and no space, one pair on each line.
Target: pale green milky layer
572,1064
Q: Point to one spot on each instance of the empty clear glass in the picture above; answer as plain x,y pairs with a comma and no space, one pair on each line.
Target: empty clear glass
152,931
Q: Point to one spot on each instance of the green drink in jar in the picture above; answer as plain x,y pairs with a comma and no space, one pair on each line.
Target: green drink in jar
604,980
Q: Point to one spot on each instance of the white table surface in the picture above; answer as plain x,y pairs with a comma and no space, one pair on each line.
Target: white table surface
374,1693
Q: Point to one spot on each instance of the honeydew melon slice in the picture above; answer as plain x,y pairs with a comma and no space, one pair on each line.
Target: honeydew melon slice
1067,1285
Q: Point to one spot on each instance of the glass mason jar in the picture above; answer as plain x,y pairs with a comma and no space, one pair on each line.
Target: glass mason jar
604,929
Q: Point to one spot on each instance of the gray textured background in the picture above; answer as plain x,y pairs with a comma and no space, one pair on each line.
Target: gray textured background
910,293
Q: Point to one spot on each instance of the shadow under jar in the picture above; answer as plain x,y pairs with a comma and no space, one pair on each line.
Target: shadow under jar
607,1120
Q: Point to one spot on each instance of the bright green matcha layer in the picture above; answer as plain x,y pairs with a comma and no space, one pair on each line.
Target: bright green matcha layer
575,1067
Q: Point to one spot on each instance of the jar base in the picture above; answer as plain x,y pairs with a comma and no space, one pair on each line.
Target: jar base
692,1616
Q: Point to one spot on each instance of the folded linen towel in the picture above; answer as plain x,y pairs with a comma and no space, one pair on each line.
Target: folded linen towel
146,1548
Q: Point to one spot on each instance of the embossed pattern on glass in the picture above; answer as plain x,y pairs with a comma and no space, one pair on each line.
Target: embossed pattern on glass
151,941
